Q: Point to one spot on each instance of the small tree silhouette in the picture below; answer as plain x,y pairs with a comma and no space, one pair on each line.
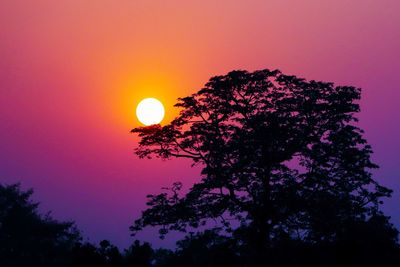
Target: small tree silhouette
281,157
140,255
28,238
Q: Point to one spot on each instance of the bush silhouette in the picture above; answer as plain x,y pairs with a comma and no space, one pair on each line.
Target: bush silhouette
28,238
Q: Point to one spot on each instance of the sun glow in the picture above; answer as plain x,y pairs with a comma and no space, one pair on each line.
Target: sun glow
150,111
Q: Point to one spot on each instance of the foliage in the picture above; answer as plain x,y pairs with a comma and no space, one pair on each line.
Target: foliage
26,237
281,157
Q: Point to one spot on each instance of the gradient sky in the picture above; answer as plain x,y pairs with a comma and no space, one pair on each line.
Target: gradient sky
73,71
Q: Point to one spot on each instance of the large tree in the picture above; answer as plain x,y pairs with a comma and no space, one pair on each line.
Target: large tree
281,157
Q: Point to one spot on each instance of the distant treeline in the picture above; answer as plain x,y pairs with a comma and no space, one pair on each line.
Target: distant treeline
30,239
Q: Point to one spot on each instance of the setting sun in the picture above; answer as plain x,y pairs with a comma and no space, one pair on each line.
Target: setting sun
150,111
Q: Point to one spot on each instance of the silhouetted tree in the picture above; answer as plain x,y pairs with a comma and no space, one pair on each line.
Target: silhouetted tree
282,159
87,254
164,258
139,255
110,254
208,248
106,255
28,238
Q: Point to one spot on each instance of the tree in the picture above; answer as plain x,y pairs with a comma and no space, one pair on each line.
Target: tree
140,255
208,248
28,238
281,157
86,254
111,255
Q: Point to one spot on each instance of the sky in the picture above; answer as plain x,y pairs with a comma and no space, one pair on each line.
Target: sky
73,71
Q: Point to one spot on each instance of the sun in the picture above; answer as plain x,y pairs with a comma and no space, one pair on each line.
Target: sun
150,111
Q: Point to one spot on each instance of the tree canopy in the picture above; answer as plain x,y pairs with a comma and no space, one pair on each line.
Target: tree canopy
282,158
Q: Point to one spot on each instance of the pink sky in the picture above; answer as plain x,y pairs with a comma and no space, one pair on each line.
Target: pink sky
72,72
